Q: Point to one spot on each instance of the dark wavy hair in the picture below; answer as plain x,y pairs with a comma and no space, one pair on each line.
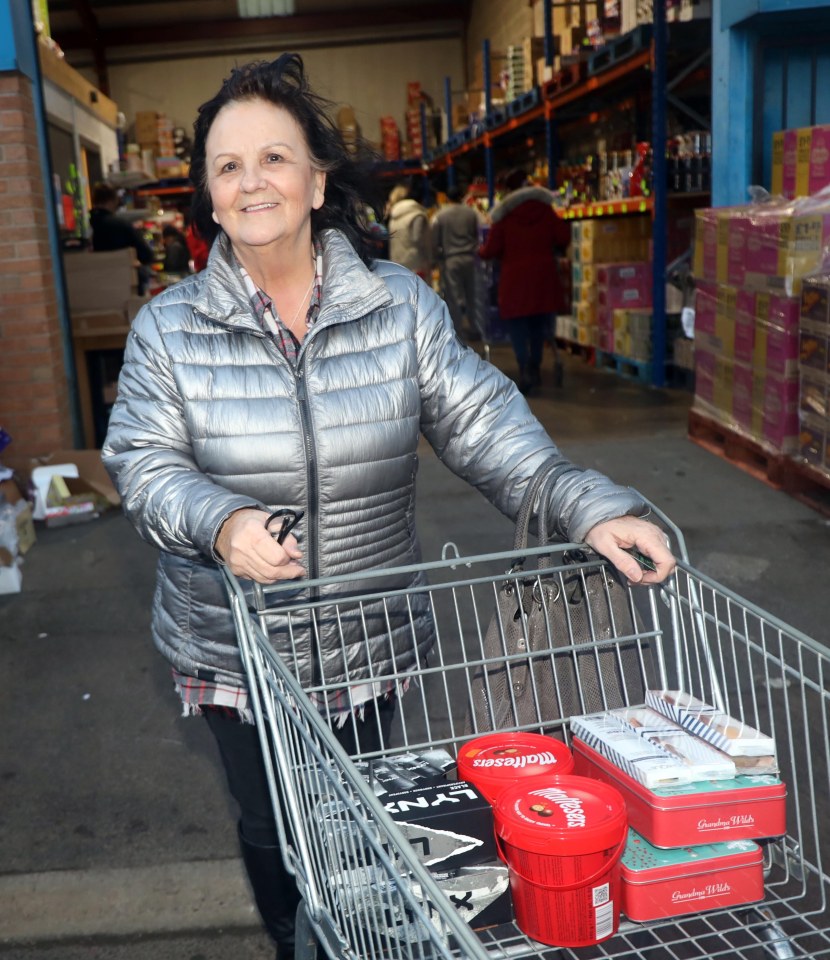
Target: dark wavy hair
350,188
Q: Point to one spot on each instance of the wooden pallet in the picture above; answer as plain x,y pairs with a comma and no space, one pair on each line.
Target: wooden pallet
524,102
619,49
495,118
624,366
809,485
745,453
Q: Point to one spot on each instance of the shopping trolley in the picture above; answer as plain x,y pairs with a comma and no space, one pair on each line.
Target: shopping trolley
365,892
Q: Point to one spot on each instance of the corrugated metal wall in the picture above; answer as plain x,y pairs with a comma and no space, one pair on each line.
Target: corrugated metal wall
793,90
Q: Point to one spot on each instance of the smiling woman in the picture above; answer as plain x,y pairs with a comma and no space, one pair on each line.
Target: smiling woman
263,187
294,377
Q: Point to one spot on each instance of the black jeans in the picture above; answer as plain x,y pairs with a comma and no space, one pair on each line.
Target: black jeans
245,770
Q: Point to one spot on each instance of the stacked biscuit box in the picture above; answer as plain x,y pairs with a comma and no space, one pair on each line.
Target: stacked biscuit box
814,373
749,263
609,271
700,789
800,161
448,824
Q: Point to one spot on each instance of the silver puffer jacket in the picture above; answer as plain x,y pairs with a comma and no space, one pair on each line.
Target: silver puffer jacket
211,417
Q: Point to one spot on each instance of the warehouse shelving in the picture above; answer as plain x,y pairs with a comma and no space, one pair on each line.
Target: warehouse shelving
633,70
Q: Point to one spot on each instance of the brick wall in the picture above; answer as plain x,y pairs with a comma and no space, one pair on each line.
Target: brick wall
34,395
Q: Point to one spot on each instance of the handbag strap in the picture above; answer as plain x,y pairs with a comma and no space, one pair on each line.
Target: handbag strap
541,484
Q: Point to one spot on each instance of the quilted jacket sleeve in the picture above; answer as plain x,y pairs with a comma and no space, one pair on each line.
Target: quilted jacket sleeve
483,430
149,455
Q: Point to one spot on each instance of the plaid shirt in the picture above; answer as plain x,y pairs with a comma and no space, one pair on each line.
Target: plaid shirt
200,694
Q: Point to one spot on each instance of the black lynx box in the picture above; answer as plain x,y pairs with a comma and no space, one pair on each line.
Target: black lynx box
449,824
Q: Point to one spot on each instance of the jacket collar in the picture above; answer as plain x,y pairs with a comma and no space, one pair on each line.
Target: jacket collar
350,288
523,195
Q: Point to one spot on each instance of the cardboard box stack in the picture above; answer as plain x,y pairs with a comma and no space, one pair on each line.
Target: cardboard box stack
609,272
497,61
636,12
390,139
521,66
156,145
414,134
800,161
749,263
814,372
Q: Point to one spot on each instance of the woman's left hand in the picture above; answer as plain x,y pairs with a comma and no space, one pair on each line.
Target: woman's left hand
614,538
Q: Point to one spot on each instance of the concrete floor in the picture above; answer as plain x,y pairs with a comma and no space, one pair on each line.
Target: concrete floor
116,838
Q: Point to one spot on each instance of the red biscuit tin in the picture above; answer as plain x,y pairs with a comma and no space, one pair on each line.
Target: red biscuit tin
711,811
669,883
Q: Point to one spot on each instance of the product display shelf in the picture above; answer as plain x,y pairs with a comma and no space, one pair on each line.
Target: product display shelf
607,208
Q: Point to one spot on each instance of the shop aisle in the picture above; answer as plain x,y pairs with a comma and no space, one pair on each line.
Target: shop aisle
100,773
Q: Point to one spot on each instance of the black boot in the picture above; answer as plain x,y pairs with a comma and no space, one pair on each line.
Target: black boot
523,383
275,893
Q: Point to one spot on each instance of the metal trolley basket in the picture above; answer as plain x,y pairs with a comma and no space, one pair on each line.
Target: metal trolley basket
366,893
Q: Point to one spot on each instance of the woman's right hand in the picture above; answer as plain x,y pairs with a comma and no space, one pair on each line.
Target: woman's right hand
250,551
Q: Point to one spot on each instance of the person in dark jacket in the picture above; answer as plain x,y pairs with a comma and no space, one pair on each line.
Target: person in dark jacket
526,236
176,253
111,232
297,373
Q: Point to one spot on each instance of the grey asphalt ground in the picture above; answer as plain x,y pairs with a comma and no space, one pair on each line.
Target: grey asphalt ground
117,840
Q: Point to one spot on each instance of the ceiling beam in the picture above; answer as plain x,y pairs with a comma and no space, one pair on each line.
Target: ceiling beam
89,22
143,34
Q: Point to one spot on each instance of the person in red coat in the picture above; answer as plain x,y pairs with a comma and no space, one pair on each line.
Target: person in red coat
526,236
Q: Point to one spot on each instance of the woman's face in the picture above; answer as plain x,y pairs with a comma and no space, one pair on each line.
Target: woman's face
260,178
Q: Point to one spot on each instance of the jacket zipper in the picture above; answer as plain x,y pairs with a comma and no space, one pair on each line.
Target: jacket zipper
313,515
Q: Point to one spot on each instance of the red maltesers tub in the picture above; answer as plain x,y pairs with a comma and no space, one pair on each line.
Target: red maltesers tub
712,811
500,760
659,883
562,839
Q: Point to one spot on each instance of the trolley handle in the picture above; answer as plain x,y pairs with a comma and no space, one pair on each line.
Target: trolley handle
674,531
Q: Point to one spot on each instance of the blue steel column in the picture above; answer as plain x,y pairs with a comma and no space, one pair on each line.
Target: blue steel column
448,108
488,106
659,188
548,21
550,145
19,51
550,129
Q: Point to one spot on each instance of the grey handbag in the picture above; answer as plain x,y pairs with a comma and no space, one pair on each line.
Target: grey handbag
562,640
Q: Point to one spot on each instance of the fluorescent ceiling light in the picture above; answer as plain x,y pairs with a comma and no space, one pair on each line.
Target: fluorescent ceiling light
265,8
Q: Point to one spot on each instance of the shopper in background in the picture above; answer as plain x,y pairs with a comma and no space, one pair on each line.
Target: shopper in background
455,241
176,252
526,236
409,238
199,250
297,373
111,232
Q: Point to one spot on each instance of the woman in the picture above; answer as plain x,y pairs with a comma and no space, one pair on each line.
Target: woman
295,372
525,237
409,235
